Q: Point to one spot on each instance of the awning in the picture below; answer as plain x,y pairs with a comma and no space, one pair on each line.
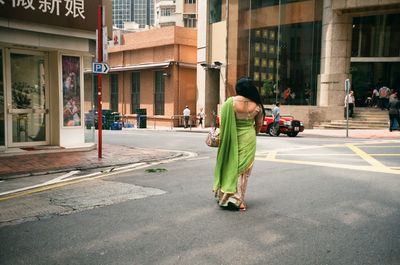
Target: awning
139,67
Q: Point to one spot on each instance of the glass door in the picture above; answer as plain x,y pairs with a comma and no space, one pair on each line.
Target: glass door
27,98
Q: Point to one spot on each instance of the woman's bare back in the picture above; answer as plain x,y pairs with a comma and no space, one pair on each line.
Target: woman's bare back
245,108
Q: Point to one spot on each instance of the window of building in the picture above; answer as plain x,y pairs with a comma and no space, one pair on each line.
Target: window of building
215,11
167,12
278,55
135,92
264,3
190,1
293,61
190,21
159,95
2,132
376,36
114,92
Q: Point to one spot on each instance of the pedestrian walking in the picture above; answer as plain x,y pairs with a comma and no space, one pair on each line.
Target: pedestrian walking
201,115
383,97
375,97
394,111
349,99
186,117
276,115
241,120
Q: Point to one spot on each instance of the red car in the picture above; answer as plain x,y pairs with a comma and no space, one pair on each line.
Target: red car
287,125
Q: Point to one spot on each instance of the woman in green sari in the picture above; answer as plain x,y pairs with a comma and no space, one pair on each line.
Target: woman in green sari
241,120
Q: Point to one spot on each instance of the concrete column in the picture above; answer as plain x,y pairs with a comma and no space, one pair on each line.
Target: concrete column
335,56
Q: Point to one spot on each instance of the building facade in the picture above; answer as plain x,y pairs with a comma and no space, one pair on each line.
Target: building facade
152,71
44,49
309,46
181,13
139,11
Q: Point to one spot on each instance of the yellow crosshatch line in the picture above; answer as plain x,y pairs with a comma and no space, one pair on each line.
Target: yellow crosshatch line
374,165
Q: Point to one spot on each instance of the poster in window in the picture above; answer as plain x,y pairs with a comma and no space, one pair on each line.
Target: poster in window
71,94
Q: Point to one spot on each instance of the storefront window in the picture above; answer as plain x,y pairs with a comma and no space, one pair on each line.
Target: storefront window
275,50
376,36
2,129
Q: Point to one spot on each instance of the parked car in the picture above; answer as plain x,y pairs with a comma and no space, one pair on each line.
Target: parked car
287,125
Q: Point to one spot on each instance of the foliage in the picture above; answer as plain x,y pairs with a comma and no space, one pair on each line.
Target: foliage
267,89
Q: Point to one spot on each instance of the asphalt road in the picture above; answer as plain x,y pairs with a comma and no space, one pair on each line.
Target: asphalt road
310,201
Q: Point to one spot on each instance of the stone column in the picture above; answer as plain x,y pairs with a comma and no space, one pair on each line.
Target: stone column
335,55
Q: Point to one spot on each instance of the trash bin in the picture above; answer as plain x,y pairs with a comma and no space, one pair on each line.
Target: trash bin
141,118
116,123
107,118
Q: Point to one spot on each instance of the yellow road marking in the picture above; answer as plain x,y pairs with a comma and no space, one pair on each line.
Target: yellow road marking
272,155
36,190
375,165
335,165
372,161
69,182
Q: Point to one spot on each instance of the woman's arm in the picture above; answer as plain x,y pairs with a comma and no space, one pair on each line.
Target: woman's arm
259,120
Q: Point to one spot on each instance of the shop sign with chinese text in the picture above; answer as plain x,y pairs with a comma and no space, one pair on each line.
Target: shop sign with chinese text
77,14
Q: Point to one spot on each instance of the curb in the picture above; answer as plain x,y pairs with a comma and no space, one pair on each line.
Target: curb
9,176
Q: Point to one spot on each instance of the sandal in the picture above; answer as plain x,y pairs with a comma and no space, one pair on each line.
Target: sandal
233,203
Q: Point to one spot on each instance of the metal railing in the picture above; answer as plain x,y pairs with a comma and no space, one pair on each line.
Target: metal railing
180,118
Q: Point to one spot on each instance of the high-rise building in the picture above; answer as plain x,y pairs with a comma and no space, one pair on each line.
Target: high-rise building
138,11
311,46
181,13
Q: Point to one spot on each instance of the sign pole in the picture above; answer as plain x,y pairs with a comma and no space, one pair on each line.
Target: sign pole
347,90
99,80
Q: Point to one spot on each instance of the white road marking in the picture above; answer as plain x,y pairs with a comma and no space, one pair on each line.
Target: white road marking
58,179
198,158
66,178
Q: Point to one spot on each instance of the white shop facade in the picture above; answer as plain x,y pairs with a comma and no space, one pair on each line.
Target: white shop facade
45,46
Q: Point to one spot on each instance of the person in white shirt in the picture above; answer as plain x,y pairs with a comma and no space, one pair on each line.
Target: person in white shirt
201,115
349,99
186,116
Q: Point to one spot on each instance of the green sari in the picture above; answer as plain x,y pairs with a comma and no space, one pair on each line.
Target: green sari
236,151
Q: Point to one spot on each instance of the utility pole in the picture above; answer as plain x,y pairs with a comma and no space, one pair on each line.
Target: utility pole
99,80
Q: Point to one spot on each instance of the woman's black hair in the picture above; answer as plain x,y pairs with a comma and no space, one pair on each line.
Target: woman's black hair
245,87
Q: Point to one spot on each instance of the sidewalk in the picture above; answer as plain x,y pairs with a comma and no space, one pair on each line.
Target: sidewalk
36,163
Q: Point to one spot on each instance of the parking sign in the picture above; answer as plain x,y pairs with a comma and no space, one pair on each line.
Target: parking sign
100,68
